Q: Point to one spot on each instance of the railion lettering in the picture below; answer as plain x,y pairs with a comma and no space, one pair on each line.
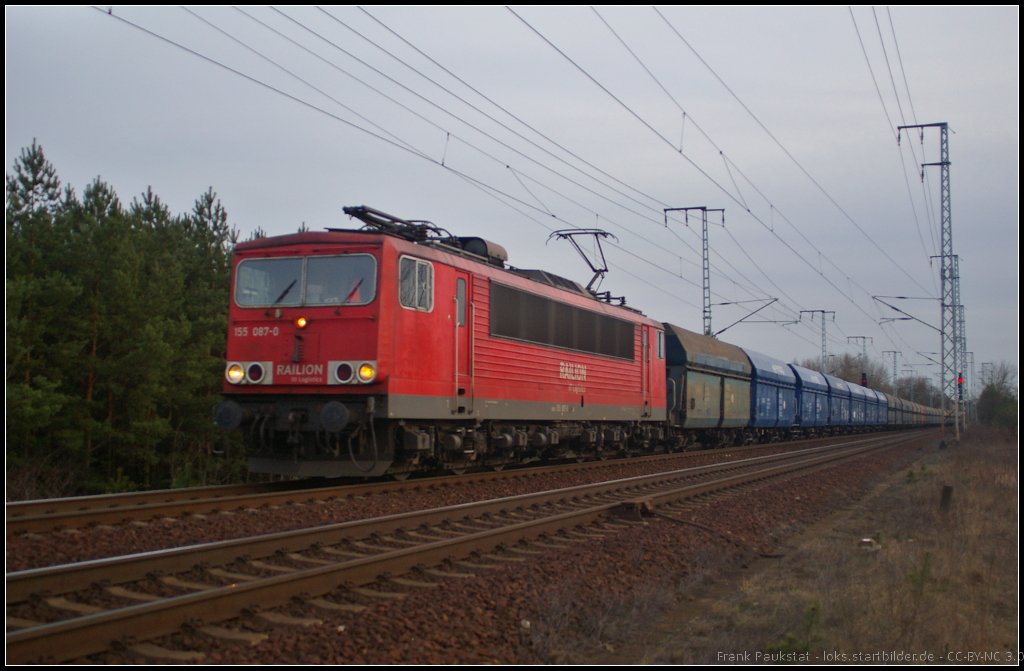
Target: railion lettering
572,371
300,369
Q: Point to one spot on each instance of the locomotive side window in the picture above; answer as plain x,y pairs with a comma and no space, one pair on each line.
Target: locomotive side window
416,284
460,300
521,315
268,282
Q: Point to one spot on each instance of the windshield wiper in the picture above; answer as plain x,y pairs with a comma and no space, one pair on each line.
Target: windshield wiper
284,293
354,290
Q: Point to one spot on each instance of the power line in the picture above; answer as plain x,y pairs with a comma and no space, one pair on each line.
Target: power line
304,81
890,126
724,158
400,145
438,65
703,172
463,140
786,151
517,174
888,67
899,58
495,104
460,139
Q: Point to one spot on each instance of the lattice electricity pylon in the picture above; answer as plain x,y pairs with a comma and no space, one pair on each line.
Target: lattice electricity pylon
704,254
824,341
895,379
948,321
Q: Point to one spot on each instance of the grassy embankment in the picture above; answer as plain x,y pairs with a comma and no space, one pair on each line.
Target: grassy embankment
939,582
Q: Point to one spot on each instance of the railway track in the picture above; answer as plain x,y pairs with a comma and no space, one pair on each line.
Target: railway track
77,512
152,594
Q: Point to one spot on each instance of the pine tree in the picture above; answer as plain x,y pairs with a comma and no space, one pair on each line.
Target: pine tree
39,297
116,335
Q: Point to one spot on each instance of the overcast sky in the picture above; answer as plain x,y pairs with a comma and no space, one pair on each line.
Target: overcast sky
509,124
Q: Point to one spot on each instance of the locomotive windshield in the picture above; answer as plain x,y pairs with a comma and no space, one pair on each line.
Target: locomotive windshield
309,281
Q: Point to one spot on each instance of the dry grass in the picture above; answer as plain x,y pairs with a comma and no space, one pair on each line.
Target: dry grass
580,619
39,481
942,584
566,629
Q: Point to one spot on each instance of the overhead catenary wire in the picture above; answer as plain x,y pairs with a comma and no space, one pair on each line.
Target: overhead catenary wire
903,118
491,189
679,35
888,67
476,183
889,123
304,81
449,134
419,51
662,87
621,41
793,158
725,159
531,128
403,146
577,182
698,168
899,59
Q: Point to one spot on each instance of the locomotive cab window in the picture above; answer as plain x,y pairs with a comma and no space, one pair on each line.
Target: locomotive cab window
416,284
315,280
269,282
341,280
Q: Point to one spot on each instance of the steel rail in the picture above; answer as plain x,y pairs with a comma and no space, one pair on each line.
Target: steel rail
76,637
44,515
70,577
47,514
21,509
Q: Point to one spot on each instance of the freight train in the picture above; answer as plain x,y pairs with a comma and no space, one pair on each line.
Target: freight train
399,348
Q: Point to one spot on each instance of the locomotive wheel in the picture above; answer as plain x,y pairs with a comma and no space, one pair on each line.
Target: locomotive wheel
401,477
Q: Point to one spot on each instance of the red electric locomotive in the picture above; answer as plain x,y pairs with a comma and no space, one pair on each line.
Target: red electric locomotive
398,347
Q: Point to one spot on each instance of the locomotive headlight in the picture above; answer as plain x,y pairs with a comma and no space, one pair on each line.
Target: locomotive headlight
234,373
367,371
344,372
255,372
300,322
